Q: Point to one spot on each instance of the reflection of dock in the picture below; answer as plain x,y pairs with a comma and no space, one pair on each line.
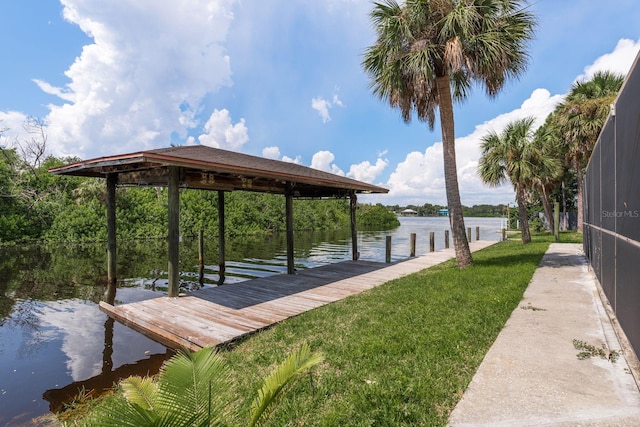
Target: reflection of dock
222,314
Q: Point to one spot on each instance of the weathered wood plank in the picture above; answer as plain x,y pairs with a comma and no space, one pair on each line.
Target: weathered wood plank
217,315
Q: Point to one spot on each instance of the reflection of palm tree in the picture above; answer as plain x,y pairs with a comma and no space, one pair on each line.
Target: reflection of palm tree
428,54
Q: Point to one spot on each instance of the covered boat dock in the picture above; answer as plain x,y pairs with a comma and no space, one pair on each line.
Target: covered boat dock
205,168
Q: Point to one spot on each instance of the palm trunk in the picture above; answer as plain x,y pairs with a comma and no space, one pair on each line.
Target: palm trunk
580,190
547,207
522,213
565,218
460,242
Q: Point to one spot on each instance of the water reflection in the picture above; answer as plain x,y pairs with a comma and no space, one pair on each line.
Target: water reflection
54,341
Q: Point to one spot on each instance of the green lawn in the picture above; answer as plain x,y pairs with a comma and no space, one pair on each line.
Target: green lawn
399,354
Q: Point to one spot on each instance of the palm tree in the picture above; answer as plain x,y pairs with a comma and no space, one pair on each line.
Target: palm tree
512,156
427,55
580,118
191,390
547,169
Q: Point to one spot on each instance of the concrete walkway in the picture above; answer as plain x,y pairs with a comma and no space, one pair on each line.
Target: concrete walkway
532,376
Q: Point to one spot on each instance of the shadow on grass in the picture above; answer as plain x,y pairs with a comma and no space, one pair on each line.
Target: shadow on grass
508,260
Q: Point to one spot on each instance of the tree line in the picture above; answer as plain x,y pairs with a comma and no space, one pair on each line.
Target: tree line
36,205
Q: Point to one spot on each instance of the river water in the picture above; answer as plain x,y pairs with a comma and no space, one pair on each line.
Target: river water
55,343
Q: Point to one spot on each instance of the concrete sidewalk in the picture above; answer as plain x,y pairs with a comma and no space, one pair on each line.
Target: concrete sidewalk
532,376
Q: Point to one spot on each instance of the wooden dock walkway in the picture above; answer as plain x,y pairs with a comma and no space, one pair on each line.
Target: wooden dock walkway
218,315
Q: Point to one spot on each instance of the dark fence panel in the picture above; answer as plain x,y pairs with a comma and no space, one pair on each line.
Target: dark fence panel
612,208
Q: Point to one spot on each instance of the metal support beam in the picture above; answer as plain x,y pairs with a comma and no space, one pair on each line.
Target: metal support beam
110,296
289,221
174,231
221,239
353,204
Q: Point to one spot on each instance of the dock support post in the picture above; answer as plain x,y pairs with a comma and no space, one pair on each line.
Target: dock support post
432,241
110,295
353,204
387,252
222,264
289,220
504,234
174,231
412,250
477,232
469,234
201,257
446,239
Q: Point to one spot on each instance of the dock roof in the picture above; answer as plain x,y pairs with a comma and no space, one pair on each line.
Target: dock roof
210,168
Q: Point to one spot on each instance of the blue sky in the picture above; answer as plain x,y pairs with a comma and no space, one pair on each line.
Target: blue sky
274,78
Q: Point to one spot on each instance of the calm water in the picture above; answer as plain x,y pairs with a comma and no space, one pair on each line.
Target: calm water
55,342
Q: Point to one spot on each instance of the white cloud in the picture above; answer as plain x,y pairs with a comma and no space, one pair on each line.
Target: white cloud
143,78
367,172
297,160
271,152
322,106
618,61
13,122
419,178
322,160
220,132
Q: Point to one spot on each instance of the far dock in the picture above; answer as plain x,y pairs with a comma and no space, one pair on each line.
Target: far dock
218,315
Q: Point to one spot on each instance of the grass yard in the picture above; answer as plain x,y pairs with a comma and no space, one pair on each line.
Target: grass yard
399,354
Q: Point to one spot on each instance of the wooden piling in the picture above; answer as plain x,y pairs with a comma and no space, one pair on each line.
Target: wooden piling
412,250
469,234
353,204
387,257
289,221
201,257
477,232
446,239
222,263
174,231
504,234
432,241
112,180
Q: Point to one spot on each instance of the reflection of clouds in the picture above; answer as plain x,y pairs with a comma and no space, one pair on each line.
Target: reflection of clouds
81,328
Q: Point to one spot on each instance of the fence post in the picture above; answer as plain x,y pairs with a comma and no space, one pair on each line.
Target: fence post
413,245
387,257
446,239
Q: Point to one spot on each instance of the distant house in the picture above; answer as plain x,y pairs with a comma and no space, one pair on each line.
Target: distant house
443,212
408,212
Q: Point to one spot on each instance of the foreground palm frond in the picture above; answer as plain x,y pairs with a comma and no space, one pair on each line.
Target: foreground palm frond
192,389
279,380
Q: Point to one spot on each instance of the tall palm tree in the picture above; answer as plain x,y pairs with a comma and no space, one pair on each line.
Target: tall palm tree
548,169
511,156
427,55
580,118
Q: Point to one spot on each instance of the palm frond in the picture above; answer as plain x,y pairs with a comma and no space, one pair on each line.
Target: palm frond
283,376
140,391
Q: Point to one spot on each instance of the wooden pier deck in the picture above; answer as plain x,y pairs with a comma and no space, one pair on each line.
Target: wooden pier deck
218,315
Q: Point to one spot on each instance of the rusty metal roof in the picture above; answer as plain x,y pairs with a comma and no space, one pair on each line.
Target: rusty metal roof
209,168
